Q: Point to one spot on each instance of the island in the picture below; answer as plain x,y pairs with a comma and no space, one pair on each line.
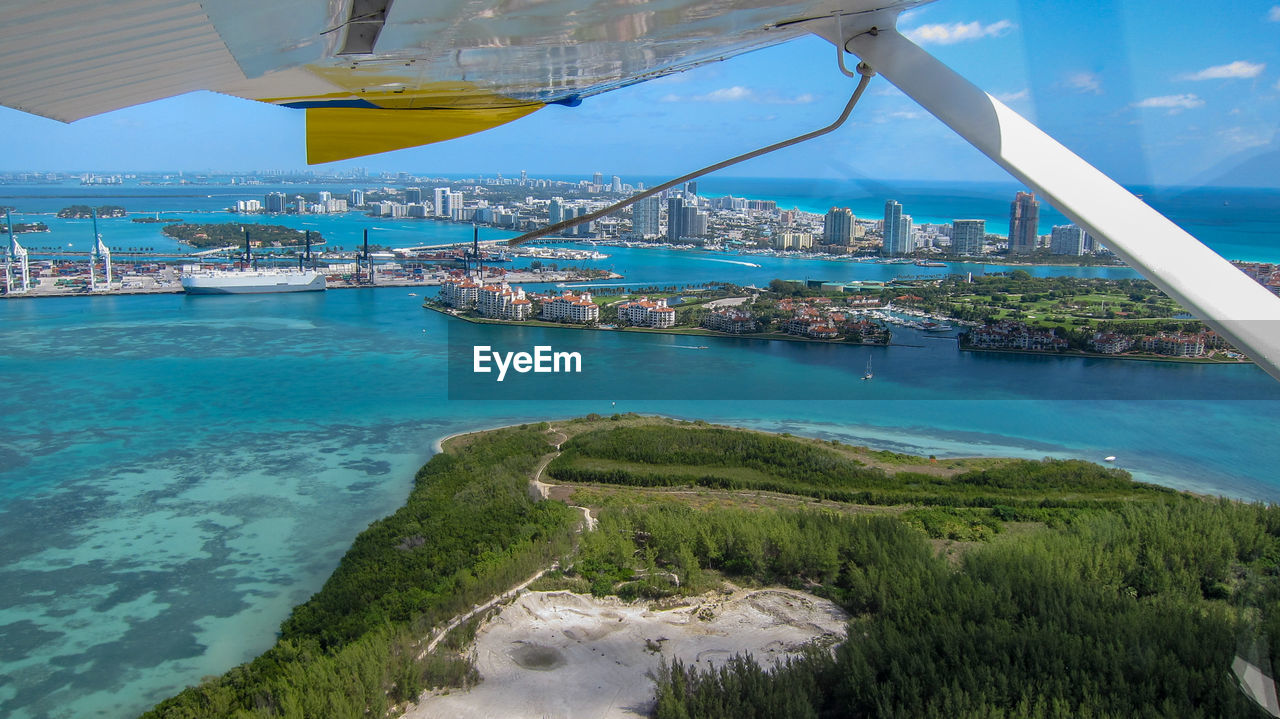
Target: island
712,309
964,586
84,212
202,236
22,228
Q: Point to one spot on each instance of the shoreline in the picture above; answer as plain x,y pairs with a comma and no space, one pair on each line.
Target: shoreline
676,332
1094,355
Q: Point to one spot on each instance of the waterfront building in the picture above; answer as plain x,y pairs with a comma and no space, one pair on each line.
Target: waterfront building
355,198
645,217
896,231
677,219
798,241
1008,334
837,226
762,205
412,195
248,205
571,308
730,319
647,313
300,203
325,196
617,184
555,210
597,179
274,202
419,209
459,292
1066,240
503,302
968,237
584,229
1110,343
1024,223
1175,344
443,200
691,187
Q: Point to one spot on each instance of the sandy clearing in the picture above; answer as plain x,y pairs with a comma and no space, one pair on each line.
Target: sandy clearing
559,654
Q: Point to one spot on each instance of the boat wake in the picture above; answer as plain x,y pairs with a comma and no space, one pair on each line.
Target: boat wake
731,262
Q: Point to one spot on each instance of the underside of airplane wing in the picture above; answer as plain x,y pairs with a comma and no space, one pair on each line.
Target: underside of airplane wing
375,75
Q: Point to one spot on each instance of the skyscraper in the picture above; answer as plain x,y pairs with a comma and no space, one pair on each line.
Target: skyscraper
837,228
597,178
676,227
555,210
968,237
691,187
356,198
274,202
442,202
413,195
1066,240
893,242
645,216
617,184
1024,223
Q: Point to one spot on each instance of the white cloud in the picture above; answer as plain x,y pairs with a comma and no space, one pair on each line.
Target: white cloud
1084,82
1239,68
951,33
1173,103
1274,14
725,94
1239,138
1008,97
738,93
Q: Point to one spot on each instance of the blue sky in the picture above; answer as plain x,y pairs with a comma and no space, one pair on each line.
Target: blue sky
1164,93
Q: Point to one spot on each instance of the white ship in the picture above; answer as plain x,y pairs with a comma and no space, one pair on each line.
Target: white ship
243,282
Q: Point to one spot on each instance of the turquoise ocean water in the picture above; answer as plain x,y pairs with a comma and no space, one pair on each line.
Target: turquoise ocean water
176,472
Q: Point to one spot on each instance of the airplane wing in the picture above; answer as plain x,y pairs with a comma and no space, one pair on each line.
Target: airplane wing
375,75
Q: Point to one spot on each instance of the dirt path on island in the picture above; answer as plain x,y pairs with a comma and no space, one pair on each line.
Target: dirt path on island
542,491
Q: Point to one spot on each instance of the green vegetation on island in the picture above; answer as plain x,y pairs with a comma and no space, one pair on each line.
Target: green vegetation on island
978,587
84,212
468,531
21,228
203,236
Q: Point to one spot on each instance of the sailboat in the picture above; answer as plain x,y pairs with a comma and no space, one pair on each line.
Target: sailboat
868,374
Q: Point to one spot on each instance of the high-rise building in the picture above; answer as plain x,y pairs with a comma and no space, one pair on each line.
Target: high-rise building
442,202
356,198
676,227
1024,223
597,179
617,184
645,217
691,187
897,234
555,210
524,177
300,203
274,202
968,237
455,206
412,195
1066,240
837,228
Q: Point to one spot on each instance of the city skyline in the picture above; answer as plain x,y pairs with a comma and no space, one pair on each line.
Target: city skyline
1135,100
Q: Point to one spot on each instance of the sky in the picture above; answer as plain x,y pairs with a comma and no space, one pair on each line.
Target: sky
1153,93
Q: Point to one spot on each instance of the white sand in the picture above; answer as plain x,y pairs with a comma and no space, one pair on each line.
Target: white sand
558,654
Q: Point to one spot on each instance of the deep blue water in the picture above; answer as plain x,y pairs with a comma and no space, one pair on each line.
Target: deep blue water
176,472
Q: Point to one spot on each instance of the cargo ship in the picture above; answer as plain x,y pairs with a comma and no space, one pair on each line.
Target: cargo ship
251,281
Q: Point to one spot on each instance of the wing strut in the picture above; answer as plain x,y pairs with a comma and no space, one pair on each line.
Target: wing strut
1239,309
863,69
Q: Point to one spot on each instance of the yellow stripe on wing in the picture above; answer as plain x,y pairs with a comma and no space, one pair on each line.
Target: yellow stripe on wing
341,133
